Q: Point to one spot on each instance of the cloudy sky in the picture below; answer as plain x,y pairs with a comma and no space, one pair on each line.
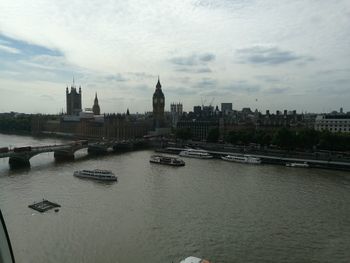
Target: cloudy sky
268,54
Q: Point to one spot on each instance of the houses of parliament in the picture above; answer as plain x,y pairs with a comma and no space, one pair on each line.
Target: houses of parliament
91,124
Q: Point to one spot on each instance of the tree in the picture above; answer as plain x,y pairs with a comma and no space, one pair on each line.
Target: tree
284,138
183,134
307,139
213,135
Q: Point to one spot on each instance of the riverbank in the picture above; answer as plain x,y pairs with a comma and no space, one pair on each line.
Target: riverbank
271,159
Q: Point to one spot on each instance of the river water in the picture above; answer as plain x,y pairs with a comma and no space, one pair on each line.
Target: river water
222,211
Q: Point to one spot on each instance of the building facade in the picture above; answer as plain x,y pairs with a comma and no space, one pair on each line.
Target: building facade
176,111
199,128
73,99
333,123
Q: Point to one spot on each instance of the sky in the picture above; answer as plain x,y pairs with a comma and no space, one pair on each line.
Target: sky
268,54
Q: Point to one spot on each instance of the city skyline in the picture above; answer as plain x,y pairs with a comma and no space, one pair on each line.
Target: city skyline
269,56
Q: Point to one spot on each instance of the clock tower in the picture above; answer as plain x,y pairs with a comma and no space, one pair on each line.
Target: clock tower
158,106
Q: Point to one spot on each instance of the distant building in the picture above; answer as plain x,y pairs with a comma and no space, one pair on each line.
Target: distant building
226,108
176,111
96,107
197,110
158,106
199,128
333,123
73,99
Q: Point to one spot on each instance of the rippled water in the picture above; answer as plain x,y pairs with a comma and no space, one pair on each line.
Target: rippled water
222,211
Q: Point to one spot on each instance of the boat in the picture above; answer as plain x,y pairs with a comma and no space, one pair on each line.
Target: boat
97,174
194,260
201,154
298,165
161,159
242,159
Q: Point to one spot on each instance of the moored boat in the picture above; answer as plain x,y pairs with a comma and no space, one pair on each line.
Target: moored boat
194,260
298,165
201,154
97,174
168,160
242,159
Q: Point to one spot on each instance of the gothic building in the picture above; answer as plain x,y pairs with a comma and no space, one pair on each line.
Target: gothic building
176,113
158,106
73,100
96,107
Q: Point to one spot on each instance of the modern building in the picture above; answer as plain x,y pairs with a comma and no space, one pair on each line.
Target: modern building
333,123
73,99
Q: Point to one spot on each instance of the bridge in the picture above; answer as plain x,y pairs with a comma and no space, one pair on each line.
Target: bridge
20,156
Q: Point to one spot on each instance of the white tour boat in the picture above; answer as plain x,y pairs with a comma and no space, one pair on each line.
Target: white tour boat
298,165
194,260
242,159
97,174
168,160
201,154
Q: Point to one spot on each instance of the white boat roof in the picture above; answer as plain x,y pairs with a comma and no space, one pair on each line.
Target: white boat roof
194,260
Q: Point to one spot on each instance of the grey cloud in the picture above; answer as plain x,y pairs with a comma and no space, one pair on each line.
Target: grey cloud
185,61
276,90
269,56
204,70
207,57
212,4
143,88
141,75
194,63
217,93
332,71
193,60
243,87
342,81
113,100
193,70
115,77
91,85
9,49
331,90
267,78
47,97
181,91
335,86
206,83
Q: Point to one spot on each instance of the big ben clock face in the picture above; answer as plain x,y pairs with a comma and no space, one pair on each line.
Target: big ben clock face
161,100
155,100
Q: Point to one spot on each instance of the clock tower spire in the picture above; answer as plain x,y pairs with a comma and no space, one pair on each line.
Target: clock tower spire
158,106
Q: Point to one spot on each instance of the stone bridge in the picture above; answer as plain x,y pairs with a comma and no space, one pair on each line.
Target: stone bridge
20,156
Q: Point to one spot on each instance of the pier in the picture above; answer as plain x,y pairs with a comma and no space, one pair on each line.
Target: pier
269,159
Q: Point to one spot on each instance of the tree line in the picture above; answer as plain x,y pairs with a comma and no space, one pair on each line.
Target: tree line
305,139
20,123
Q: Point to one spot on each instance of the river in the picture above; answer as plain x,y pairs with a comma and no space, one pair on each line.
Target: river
221,211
